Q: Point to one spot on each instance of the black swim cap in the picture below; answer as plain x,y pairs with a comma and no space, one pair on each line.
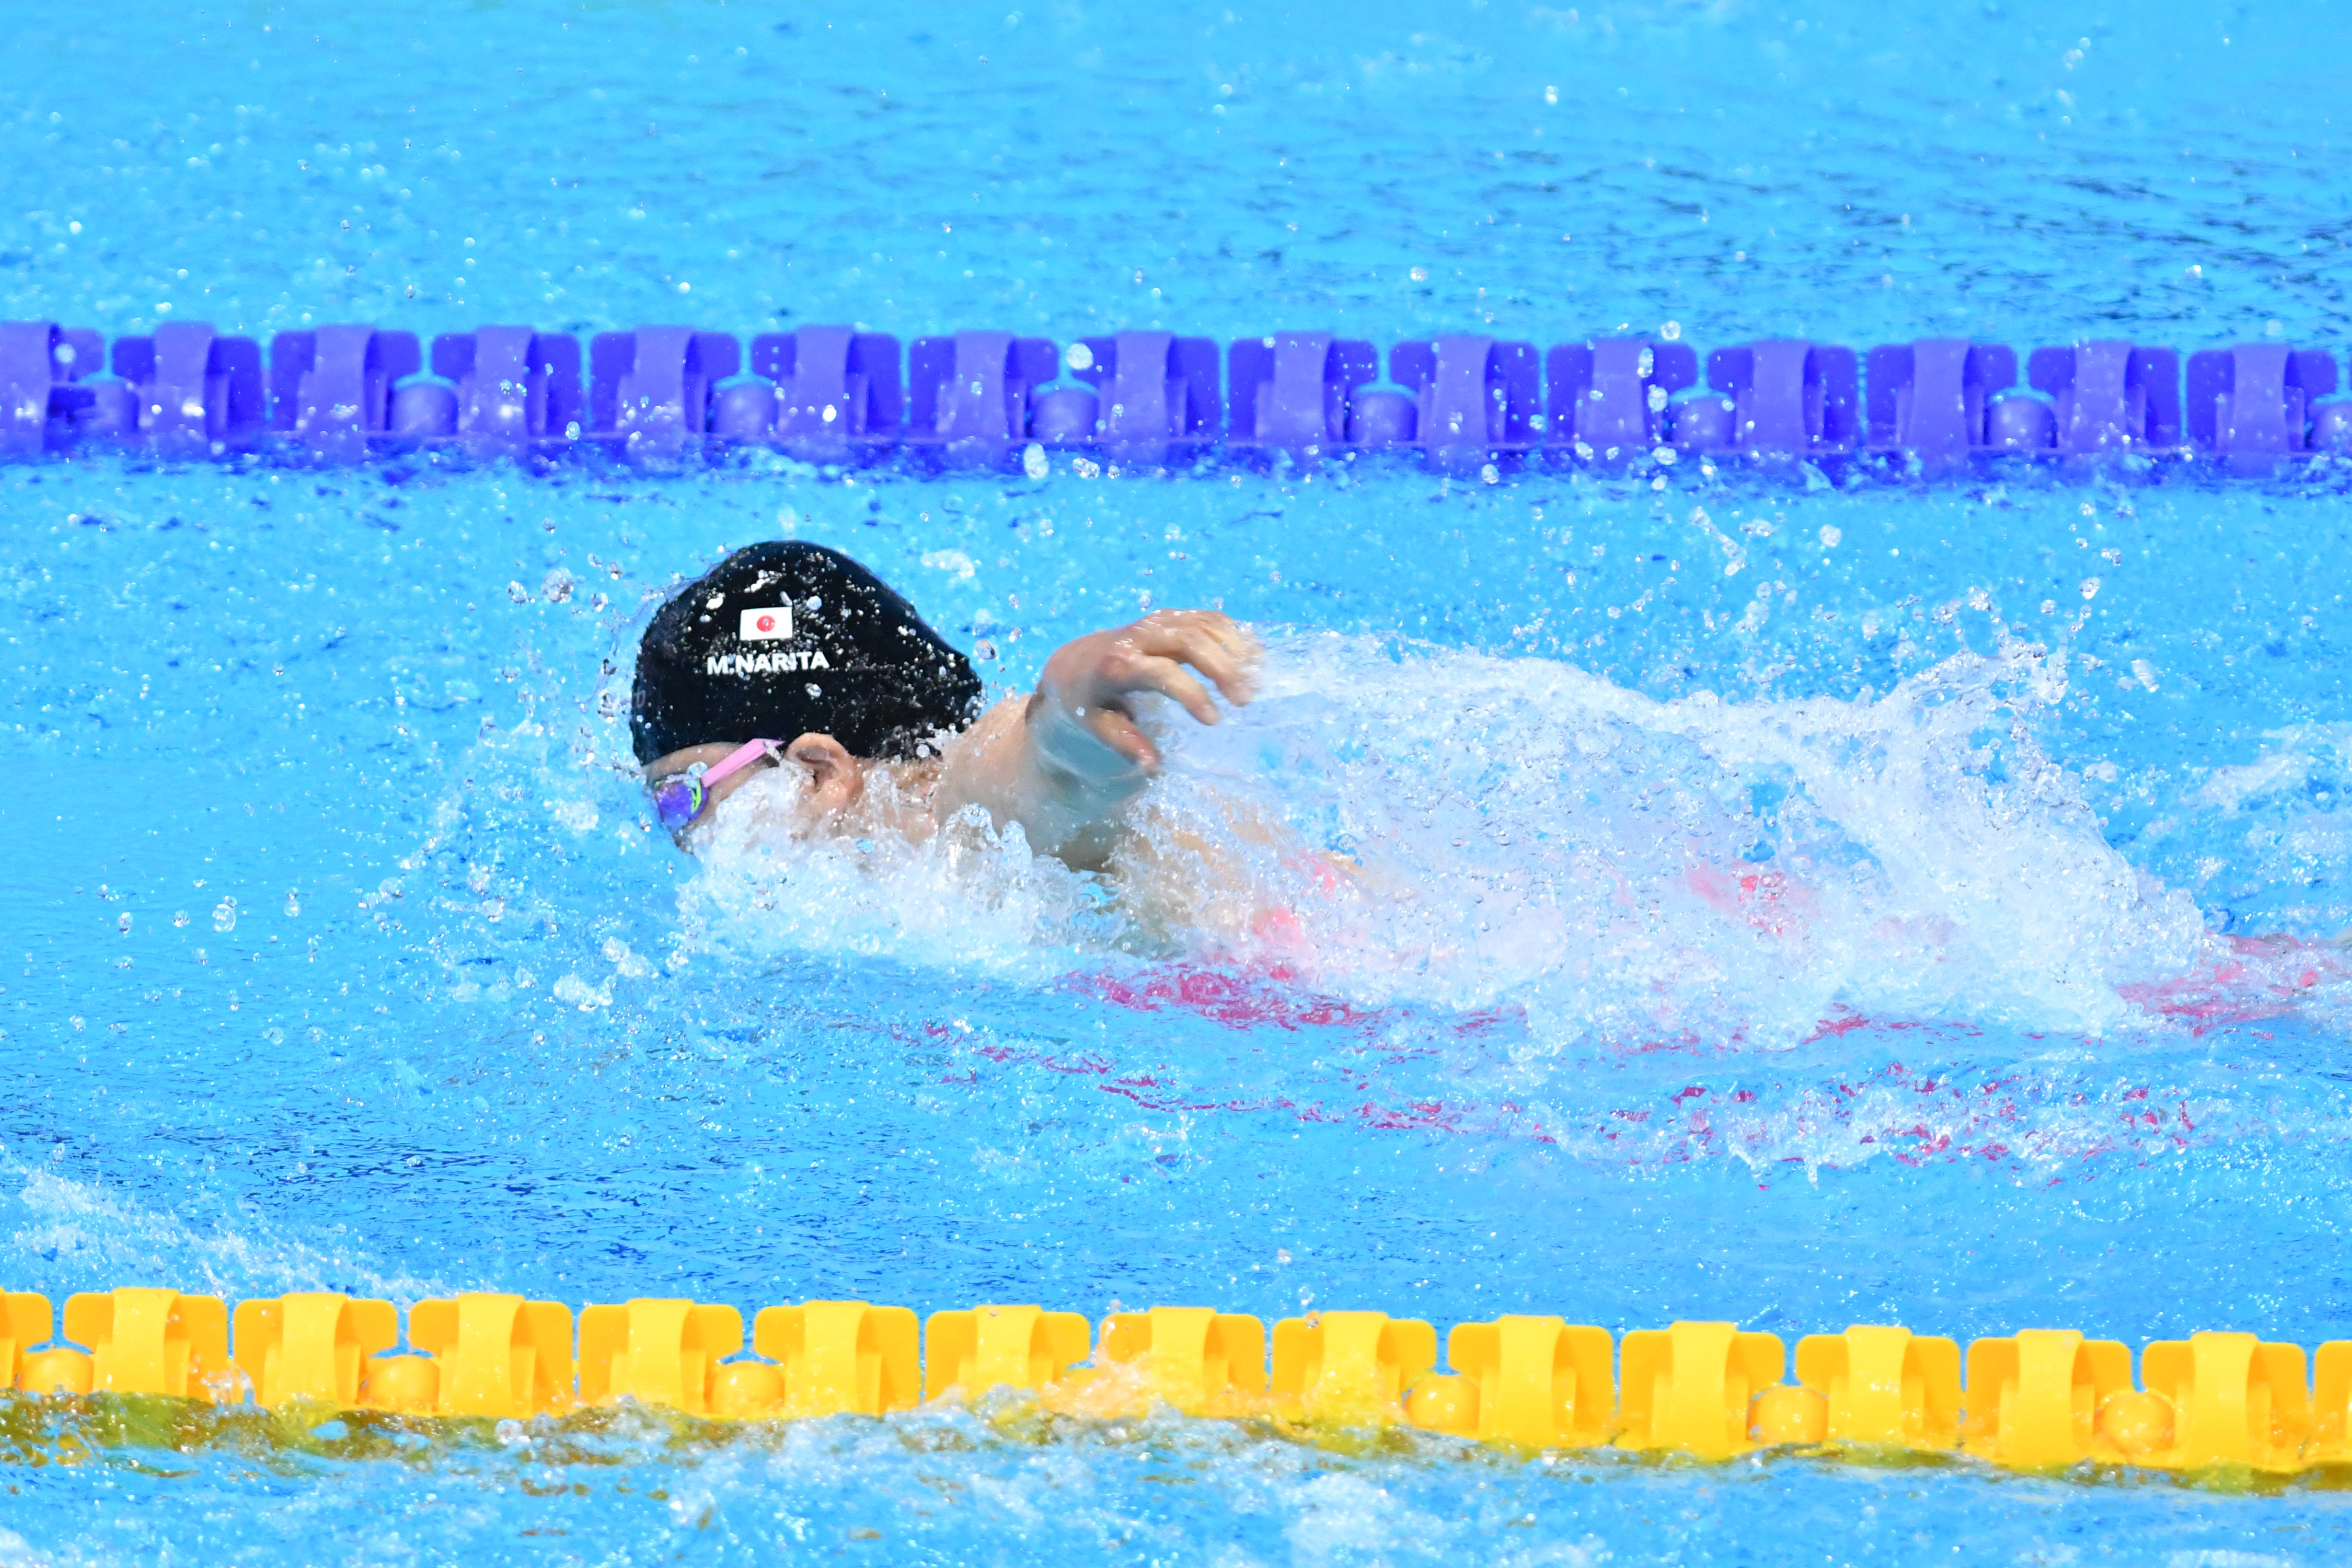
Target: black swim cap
785,639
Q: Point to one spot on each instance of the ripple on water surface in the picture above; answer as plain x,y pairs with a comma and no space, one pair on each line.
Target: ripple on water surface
1807,904
1881,947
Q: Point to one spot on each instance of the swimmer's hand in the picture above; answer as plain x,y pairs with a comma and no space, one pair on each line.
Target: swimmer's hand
1064,762
1084,694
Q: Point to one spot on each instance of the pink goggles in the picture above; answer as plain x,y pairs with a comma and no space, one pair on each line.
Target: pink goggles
679,798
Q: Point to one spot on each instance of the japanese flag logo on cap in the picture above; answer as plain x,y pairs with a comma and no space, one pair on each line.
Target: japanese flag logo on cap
767,625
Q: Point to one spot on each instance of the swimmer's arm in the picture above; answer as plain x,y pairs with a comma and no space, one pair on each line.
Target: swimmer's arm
1065,761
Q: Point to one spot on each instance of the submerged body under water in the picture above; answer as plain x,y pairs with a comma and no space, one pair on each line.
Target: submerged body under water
1400,825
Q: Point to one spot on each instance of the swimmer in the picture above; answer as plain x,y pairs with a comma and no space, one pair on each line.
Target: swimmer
788,655
792,662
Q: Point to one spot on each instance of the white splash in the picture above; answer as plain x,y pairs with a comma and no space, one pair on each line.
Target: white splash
1399,823
95,1238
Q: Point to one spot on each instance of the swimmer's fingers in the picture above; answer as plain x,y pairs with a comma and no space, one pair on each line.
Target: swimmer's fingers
1149,672
1209,642
1114,727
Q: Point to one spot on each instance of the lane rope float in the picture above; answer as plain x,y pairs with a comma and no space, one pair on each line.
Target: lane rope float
1151,401
2039,1399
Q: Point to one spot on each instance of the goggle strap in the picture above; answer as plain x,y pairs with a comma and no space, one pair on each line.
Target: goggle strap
741,757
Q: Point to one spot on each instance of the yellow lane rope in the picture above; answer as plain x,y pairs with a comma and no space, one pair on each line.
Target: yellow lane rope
2039,1399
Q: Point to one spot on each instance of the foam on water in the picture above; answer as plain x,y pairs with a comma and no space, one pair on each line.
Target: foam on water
1398,824
95,1237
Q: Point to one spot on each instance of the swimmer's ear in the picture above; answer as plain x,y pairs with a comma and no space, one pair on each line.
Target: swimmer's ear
835,781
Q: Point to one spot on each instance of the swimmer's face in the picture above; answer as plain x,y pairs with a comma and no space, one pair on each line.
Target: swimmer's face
835,780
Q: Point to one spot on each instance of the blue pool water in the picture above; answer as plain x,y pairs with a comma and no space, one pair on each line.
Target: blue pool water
340,957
